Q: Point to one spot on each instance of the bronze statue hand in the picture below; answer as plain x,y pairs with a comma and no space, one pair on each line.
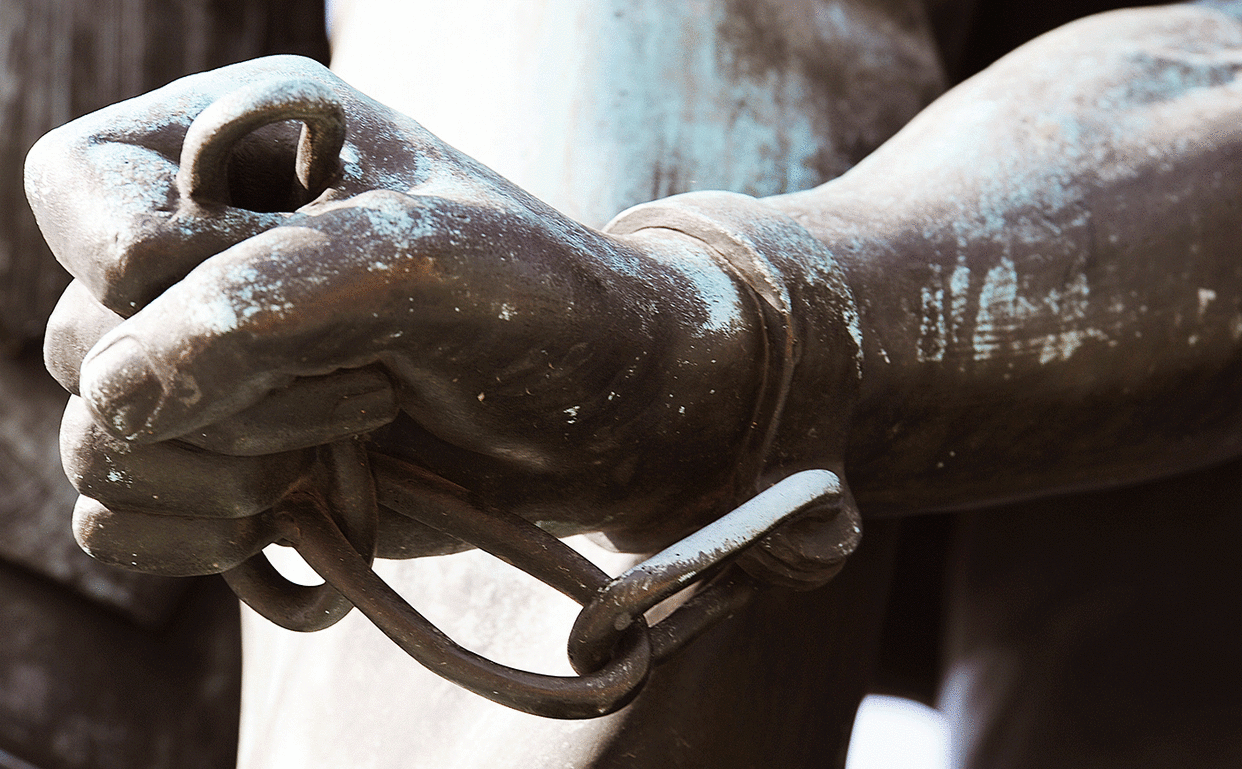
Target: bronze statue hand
583,380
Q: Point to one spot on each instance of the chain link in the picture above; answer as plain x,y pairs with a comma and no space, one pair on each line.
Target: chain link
610,646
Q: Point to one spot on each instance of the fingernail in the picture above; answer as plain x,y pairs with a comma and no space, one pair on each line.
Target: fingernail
120,385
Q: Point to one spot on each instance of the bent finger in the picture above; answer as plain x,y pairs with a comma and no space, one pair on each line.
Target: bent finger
171,478
307,412
169,545
328,292
76,325
104,190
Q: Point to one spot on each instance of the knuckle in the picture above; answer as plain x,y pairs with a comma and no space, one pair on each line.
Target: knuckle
91,458
76,324
137,262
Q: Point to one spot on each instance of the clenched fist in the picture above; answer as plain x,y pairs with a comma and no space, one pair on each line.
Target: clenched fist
243,296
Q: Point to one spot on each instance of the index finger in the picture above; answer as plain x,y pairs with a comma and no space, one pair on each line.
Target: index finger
295,301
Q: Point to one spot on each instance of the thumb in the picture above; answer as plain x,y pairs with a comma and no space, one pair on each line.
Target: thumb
287,303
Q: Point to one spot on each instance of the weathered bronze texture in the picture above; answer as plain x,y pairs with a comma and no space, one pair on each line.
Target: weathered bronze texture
1030,290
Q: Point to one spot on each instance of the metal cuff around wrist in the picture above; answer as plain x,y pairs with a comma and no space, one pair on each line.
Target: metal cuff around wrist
812,354
744,260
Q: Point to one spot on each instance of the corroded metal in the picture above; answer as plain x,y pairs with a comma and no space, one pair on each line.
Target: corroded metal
101,667
203,174
610,645
599,692
624,600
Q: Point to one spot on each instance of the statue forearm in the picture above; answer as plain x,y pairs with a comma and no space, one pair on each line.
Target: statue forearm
1046,272
1031,288
1046,262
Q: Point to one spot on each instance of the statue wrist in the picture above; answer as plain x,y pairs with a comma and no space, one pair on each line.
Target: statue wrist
813,356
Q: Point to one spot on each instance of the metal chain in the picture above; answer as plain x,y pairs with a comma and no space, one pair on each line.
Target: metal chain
610,646
352,497
625,599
